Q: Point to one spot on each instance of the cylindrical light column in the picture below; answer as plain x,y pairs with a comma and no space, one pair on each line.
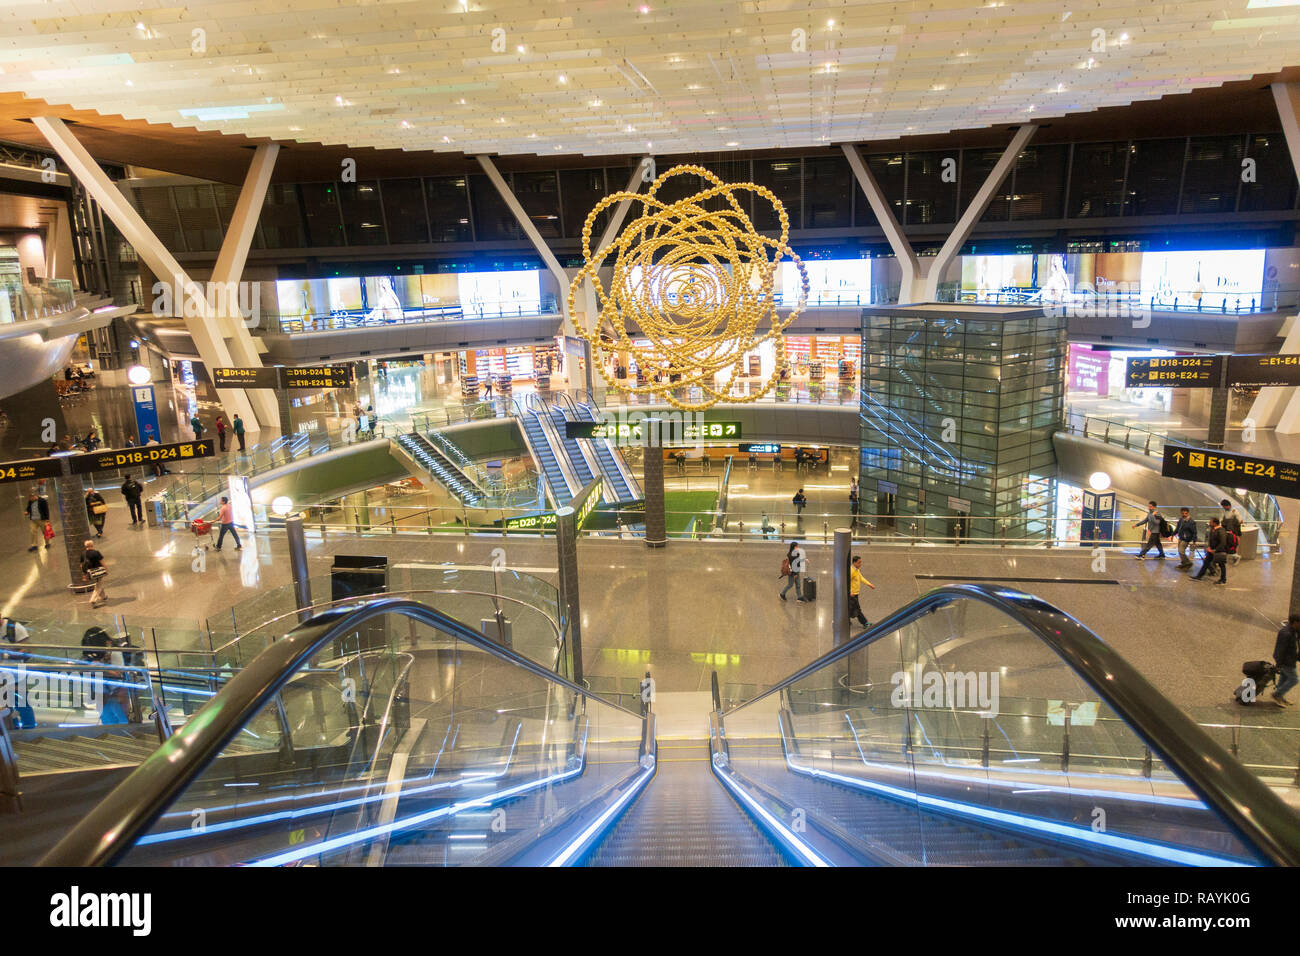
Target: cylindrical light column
283,507
840,587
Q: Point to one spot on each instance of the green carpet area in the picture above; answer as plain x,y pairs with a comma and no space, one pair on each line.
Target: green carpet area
682,506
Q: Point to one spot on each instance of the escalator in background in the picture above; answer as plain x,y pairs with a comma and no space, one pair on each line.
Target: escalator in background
434,462
451,749
546,456
577,460
610,460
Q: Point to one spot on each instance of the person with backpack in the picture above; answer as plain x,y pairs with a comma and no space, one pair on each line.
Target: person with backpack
1185,532
1231,522
1216,552
131,491
1286,651
800,501
792,568
856,580
1156,527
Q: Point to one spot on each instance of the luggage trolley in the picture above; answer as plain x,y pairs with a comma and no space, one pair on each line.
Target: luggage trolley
202,534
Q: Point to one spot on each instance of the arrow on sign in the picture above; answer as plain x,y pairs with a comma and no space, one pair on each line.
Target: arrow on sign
1178,457
202,447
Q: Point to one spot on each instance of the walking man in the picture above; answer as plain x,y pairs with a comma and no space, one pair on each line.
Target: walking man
1216,552
800,501
1153,522
1285,654
237,426
1231,521
1185,532
131,491
38,513
226,515
856,580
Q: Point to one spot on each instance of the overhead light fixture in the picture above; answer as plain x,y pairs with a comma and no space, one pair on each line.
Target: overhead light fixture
629,128
129,83
563,79
1099,481
594,104
405,125
830,23
733,143
643,9
520,48
446,139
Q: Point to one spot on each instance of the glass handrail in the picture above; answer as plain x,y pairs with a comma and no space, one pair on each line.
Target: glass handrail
458,724
988,707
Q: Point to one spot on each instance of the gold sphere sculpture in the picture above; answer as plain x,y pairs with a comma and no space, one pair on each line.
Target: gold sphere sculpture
695,279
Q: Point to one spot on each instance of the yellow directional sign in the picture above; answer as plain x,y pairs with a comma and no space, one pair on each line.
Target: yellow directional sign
29,469
1237,471
1177,371
142,455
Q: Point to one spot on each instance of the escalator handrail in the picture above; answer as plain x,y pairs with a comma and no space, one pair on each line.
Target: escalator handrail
111,829
1243,801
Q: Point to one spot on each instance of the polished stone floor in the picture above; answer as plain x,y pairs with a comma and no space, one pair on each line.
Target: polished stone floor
699,606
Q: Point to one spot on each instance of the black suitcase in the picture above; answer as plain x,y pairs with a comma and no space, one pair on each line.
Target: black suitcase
1263,673
809,589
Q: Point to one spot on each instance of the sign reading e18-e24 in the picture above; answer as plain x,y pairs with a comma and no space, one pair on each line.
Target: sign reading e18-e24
1236,471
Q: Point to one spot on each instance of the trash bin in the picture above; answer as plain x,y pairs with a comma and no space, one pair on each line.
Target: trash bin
1248,546
154,513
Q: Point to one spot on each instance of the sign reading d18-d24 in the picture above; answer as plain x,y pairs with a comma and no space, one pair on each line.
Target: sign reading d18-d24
1236,471
1174,371
140,455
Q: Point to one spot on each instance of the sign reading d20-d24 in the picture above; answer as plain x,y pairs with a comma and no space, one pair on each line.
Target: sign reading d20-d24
1236,471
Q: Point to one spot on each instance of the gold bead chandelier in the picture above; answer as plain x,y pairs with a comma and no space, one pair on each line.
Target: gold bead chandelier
696,282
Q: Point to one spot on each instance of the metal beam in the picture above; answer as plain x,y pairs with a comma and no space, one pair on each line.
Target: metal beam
202,327
230,269
1006,162
535,237
910,289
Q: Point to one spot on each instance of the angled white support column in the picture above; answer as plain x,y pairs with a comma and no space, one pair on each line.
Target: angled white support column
1279,406
535,237
611,230
912,288
966,223
204,329
230,269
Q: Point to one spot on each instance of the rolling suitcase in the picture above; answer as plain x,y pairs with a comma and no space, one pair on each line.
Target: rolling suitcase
1262,673
809,589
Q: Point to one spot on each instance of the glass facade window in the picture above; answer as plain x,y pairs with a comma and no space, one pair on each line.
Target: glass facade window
1097,180
889,174
783,177
404,213
539,194
281,221
197,210
1213,173
580,190
828,192
732,171
1039,183
976,164
156,209
447,199
227,196
957,412
493,219
1275,178
1155,169
929,198
320,207
363,214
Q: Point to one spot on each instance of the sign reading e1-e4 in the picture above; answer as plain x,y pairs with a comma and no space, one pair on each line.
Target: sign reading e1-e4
1237,471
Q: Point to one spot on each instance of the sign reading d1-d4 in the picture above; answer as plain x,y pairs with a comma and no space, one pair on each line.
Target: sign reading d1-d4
142,455
1235,471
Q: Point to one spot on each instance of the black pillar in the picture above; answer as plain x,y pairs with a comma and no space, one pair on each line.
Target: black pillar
1218,417
70,493
656,521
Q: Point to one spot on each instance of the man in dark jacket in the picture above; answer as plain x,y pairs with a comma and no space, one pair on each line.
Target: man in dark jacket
1216,552
131,491
1185,532
1285,654
38,512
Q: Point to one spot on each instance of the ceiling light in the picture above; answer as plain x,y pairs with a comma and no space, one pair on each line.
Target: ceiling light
830,23
558,146
1123,38
563,78
733,143
446,139
629,128
462,101
532,136
643,9
338,100
405,125
649,146
520,48
501,119
938,88
394,71
129,83
594,104
693,86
